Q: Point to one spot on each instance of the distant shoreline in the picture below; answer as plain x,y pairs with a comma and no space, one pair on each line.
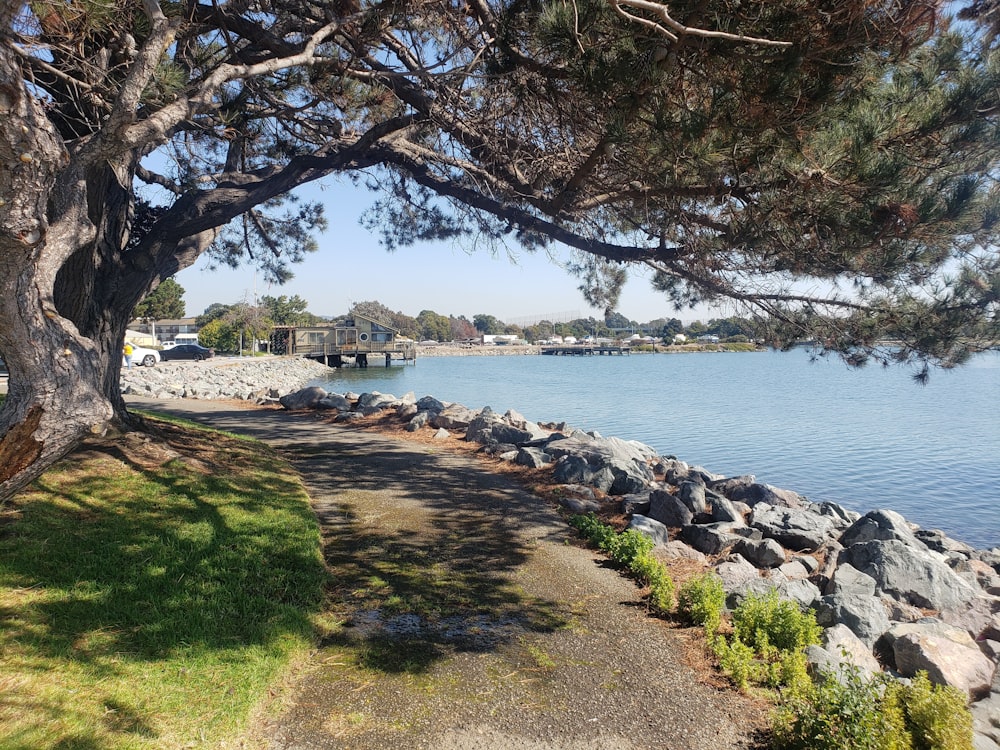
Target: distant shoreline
480,350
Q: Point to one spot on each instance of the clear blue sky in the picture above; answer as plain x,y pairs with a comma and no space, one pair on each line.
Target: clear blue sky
351,266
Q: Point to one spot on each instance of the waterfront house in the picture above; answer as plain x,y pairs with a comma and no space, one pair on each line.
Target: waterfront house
357,338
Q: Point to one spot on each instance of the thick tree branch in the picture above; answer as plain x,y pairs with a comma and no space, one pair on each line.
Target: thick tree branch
677,29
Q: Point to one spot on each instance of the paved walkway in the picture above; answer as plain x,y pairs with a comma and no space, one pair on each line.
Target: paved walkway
524,641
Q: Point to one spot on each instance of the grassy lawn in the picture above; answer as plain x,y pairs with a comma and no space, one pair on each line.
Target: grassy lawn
150,591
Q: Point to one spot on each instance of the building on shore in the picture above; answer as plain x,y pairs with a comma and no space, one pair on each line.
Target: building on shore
357,339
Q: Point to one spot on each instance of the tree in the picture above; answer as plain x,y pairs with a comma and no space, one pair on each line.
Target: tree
251,323
664,328
615,320
729,149
166,301
433,326
220,335
727,327
461,328
487,324
288,311
213,312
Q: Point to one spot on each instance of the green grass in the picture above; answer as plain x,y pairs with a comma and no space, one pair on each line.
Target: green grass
149,604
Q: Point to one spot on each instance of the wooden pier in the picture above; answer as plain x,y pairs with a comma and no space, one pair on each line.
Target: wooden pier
586,349
337,356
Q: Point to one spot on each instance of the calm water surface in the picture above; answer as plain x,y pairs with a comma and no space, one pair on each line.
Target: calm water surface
866,438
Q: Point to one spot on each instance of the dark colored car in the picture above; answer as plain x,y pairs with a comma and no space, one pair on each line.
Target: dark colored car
186,351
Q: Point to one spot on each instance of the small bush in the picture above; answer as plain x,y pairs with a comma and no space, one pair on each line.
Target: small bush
764,621
633,550
701,601
661,596
936,715
875,714
848,715
599,534
628,546
766,647
650,571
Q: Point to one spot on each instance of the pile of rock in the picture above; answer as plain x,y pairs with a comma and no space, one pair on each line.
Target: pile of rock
258,379
891,596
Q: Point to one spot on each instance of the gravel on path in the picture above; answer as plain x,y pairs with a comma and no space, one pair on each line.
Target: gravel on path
533,644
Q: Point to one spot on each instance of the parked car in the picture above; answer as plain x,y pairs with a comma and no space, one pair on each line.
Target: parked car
143,356
187,351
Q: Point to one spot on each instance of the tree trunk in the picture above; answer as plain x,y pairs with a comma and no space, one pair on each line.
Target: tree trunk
58,388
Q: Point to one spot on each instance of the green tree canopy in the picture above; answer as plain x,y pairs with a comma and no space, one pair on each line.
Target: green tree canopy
487,324
164,302
288,311
433,326
830,165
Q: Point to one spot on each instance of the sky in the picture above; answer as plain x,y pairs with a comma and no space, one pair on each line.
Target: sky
351,266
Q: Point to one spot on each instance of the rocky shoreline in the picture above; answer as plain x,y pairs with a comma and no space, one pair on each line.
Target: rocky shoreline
891,596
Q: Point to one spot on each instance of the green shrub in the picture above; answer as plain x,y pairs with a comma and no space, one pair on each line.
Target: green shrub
661,596
650,571
633,550
766,647
590,527
848,715
701,600
936,715
737,660
628,546
765,621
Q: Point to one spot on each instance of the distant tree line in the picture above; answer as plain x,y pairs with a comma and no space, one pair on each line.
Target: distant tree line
226,327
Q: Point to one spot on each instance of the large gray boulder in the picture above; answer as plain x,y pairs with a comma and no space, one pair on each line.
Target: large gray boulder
842,651
756,493
533,458
668,509
334,401
572,470
948,654
652,528
798,530
803,593
938,541
629,476
619,467
429,403
911,575
480,427
677,550
305,398
375,400
710,539
849,580
725,510
600,449
497,432
735,572
863,614
731,486
763,553
880,525
453,417
420,419
692,494
636,502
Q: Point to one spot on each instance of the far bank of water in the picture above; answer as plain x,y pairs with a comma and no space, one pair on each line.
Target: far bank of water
867,438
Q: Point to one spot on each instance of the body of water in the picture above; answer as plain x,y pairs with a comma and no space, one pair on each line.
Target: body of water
866,439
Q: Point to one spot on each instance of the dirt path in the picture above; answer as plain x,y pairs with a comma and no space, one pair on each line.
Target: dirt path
464,617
